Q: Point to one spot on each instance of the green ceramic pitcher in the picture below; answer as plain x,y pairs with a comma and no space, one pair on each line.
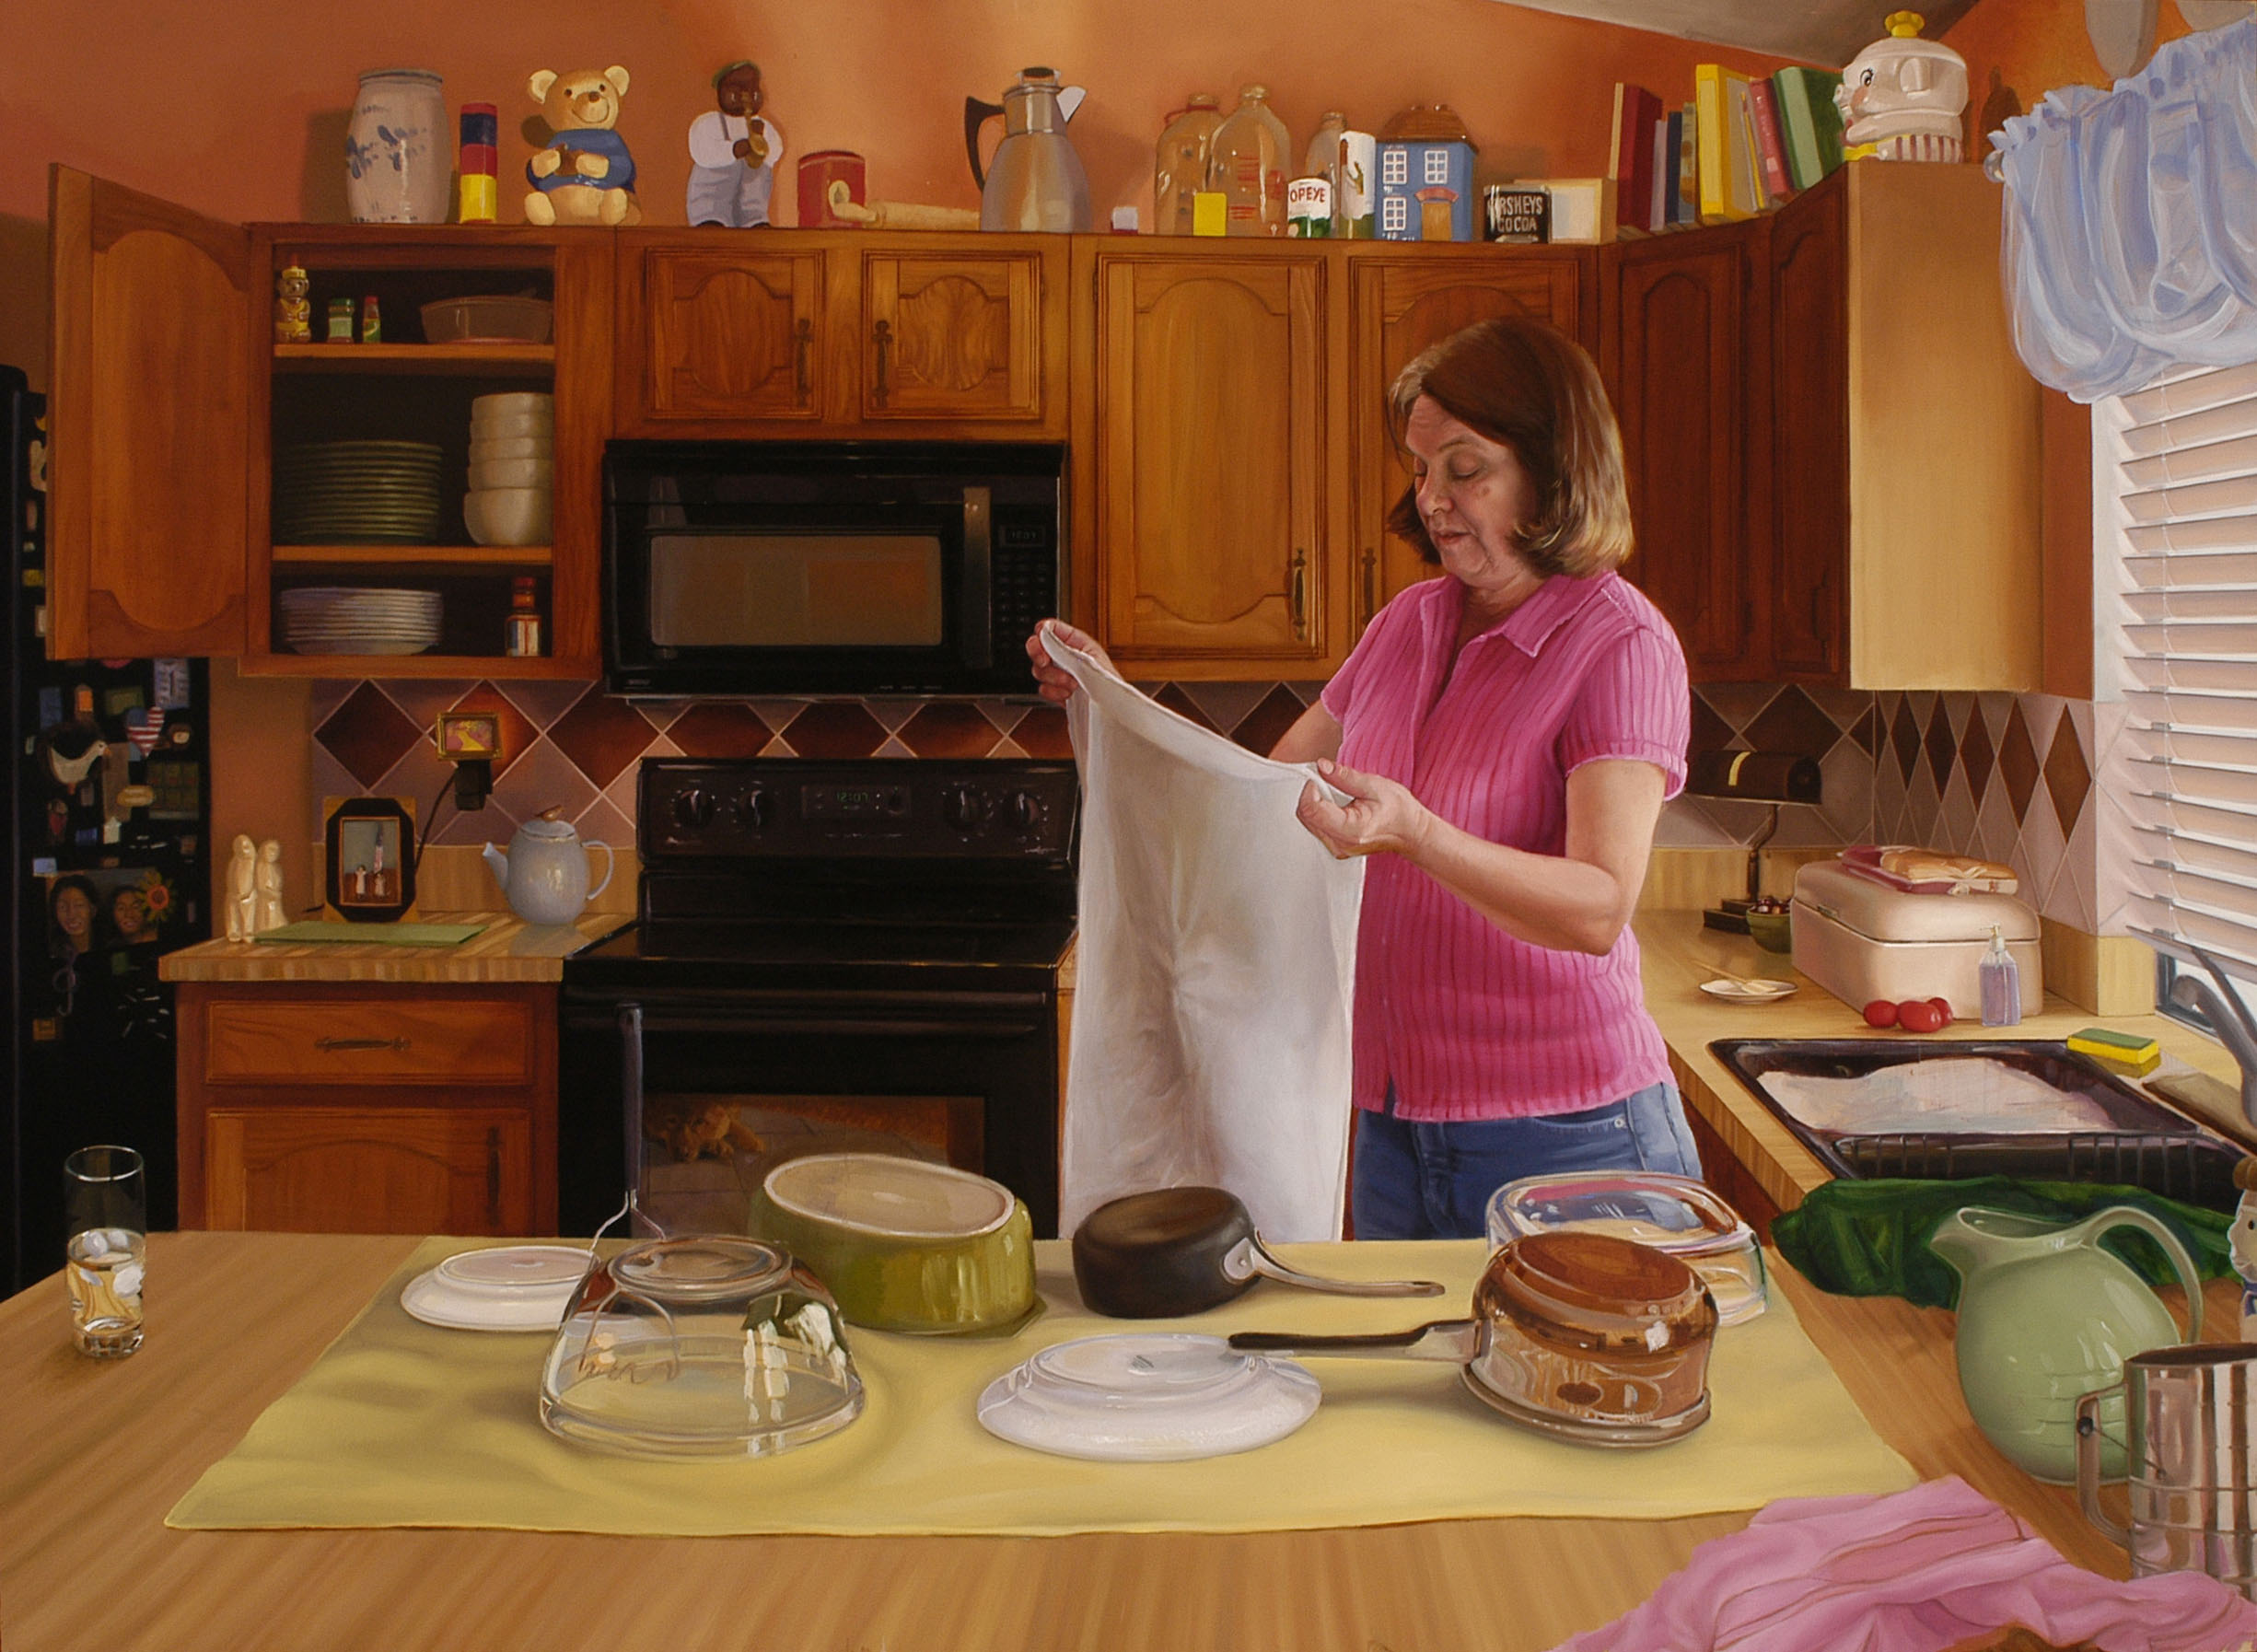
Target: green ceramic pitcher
2046,1316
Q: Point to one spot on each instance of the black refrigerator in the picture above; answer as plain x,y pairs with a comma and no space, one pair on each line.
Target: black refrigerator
109,832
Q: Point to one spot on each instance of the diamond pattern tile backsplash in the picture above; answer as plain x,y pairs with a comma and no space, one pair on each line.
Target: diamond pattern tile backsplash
2005,776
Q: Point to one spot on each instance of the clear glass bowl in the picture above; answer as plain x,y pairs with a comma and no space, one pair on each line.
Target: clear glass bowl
700,1347
1675,1214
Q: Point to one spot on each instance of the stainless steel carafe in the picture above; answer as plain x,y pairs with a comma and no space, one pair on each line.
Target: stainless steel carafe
2192,1462
1035,180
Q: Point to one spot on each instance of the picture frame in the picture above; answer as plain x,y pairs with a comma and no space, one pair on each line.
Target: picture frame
468,736
368,859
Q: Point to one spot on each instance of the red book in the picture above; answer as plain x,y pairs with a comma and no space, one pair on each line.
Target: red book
1769,140
1630,160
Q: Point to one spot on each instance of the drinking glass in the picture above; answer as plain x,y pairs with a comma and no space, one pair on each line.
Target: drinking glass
105,1203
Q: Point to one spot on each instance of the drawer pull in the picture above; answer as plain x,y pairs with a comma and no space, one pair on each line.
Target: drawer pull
360,1044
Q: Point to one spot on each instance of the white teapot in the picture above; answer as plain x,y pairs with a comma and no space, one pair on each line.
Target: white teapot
1904,97
546,873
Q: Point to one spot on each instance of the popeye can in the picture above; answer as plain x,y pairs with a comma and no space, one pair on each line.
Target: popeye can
1308,207
1360,188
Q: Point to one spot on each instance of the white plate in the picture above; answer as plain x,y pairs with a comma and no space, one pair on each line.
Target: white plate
511,1287
1148,1398
1760,992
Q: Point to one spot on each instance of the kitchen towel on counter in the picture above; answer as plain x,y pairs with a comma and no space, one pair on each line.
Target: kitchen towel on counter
401,1423
1921,1571
1212,1020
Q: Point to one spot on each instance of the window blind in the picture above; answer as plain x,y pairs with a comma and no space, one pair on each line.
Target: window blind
2187,659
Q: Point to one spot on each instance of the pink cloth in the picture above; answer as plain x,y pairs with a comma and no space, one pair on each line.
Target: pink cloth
1915,1571
1465,1020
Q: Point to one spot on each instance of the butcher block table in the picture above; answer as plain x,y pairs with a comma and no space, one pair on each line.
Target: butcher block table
93,1454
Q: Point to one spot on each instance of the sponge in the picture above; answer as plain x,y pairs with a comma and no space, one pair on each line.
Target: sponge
2123,1052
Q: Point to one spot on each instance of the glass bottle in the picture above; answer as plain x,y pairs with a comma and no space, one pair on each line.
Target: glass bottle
2001,979
1322,160
1180,167
1248,165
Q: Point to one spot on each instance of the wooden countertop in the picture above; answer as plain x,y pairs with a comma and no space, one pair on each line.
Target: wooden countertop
92,1454
1678,954
508,949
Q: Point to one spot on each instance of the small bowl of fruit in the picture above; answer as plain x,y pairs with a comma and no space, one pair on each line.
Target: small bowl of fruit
1771,925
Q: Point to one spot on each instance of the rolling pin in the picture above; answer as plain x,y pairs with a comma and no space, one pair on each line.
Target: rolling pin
897,215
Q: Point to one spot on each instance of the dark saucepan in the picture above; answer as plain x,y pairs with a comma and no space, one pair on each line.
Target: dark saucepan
1184,1250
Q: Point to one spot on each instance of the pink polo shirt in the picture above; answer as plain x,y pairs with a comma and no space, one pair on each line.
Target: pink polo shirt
1466,1021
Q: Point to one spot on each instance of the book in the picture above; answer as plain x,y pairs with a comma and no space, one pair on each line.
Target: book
1688,170
1726,160
1770,146
1673,211
1809,124
1629,157
1747,160
1656,203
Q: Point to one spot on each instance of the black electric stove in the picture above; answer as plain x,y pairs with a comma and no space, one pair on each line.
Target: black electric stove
827,956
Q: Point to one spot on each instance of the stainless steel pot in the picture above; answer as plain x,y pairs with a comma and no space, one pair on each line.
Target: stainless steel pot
1580,1335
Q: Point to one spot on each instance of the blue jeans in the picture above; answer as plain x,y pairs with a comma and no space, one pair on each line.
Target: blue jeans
1433,1180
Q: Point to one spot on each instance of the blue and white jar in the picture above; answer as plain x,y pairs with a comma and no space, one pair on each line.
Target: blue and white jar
398,163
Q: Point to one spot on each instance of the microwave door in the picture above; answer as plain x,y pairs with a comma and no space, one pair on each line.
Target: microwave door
796,589
979,641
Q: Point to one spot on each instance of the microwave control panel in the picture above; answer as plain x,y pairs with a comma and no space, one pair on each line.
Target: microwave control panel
782,808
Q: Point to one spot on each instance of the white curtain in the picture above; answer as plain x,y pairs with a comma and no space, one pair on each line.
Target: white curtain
2131,220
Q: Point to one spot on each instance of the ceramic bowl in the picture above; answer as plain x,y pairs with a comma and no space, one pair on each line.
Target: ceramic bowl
507,516
904,1245
505,426
513,404
1773,931
482,448
490,474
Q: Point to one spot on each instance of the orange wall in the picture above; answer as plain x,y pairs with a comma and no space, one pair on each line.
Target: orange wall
238,107
2017,50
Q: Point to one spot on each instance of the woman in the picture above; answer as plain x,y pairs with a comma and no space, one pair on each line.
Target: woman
1506,737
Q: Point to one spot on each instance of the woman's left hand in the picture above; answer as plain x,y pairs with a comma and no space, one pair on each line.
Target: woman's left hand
1380,816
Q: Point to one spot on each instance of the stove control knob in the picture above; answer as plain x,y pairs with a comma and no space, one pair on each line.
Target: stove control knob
1026,811
754,811
693,808
962,807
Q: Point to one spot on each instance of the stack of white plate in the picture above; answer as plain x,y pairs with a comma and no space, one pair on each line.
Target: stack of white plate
513,438
357,493
325,618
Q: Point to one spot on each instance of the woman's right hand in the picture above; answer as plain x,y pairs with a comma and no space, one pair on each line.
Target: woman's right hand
1053,681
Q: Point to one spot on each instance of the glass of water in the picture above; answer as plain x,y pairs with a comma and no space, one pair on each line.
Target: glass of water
105,1201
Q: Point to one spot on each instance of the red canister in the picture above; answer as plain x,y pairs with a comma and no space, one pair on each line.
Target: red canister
818,171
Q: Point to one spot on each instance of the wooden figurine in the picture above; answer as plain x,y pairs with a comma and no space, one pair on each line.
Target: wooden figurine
733,153
242,896
585,175
266,884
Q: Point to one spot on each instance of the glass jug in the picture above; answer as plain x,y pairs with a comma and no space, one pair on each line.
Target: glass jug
709,1346
1179,163
1248,164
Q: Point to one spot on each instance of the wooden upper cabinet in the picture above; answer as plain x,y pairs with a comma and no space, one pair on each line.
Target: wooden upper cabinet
1807,460
718,333
1211,452
1673,353
150,419
953,336
1400,306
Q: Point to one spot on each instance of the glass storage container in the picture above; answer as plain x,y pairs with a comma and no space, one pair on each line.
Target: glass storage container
1248,165
1675,1214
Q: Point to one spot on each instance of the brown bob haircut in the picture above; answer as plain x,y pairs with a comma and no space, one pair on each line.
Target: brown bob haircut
1520,382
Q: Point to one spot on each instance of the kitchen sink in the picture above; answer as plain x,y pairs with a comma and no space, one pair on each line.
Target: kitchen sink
1912,1107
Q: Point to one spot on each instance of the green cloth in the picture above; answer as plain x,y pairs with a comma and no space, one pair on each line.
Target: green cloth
1871,1239
376,934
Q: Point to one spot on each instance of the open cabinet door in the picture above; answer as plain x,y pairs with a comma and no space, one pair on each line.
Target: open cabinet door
149,421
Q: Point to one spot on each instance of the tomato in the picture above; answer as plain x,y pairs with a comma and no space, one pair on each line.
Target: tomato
1880,1013
1943,1009
1918,1015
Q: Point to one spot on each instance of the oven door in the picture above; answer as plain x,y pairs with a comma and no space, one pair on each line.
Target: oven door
695,1098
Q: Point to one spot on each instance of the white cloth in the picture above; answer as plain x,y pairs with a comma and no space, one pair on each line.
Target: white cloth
1212,1017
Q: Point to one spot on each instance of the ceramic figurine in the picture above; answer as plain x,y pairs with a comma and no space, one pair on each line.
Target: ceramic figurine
266,884
1903,98
293,310
733,153
2241,1244
585,175
242,894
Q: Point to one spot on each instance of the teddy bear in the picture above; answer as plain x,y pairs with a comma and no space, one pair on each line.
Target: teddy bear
695,1127
584,176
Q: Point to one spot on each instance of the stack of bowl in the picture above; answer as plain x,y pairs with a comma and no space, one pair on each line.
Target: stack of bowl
513,438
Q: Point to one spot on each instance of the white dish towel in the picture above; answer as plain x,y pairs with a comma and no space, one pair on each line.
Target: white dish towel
1212,1031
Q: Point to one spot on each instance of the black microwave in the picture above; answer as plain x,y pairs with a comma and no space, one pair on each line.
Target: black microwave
738,568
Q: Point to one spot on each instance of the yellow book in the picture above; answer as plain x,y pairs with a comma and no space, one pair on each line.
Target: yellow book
1718,96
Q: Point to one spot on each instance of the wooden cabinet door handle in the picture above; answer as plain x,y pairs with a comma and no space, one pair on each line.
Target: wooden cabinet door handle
494,1178
884,334
1371,585
360,1044
1299,597
803,343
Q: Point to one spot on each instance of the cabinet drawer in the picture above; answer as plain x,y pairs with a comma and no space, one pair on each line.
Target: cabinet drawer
370,1040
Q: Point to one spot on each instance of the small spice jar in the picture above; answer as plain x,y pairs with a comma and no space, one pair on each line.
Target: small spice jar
524,638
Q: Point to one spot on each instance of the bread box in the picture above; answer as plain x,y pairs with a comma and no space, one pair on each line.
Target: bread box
1861,940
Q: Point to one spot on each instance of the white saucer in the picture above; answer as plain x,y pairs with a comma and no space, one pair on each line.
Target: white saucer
510,1287
1760,992
1148,1398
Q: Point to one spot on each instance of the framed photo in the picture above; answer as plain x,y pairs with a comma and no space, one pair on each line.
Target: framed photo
368,856
468,736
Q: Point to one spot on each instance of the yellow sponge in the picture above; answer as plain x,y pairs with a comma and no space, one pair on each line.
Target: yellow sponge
2120,1052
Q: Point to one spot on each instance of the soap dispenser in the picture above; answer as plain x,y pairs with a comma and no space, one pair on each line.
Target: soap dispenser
2002,985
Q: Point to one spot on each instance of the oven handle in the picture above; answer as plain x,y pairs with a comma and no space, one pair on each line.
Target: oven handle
979,563
631,1093
897,1015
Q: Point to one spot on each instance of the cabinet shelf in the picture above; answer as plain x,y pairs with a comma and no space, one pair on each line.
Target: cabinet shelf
482,361
404,665
407,558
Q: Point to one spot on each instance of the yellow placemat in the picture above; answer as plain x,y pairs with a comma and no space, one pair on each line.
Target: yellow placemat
400,1424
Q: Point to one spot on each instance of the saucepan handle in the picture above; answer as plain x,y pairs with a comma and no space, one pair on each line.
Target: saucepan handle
1250,1256
1457,1341
2089,1462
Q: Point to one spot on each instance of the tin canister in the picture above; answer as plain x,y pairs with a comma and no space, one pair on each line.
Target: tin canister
1360,185
1308,207
1514,211
2182,1417
818,171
